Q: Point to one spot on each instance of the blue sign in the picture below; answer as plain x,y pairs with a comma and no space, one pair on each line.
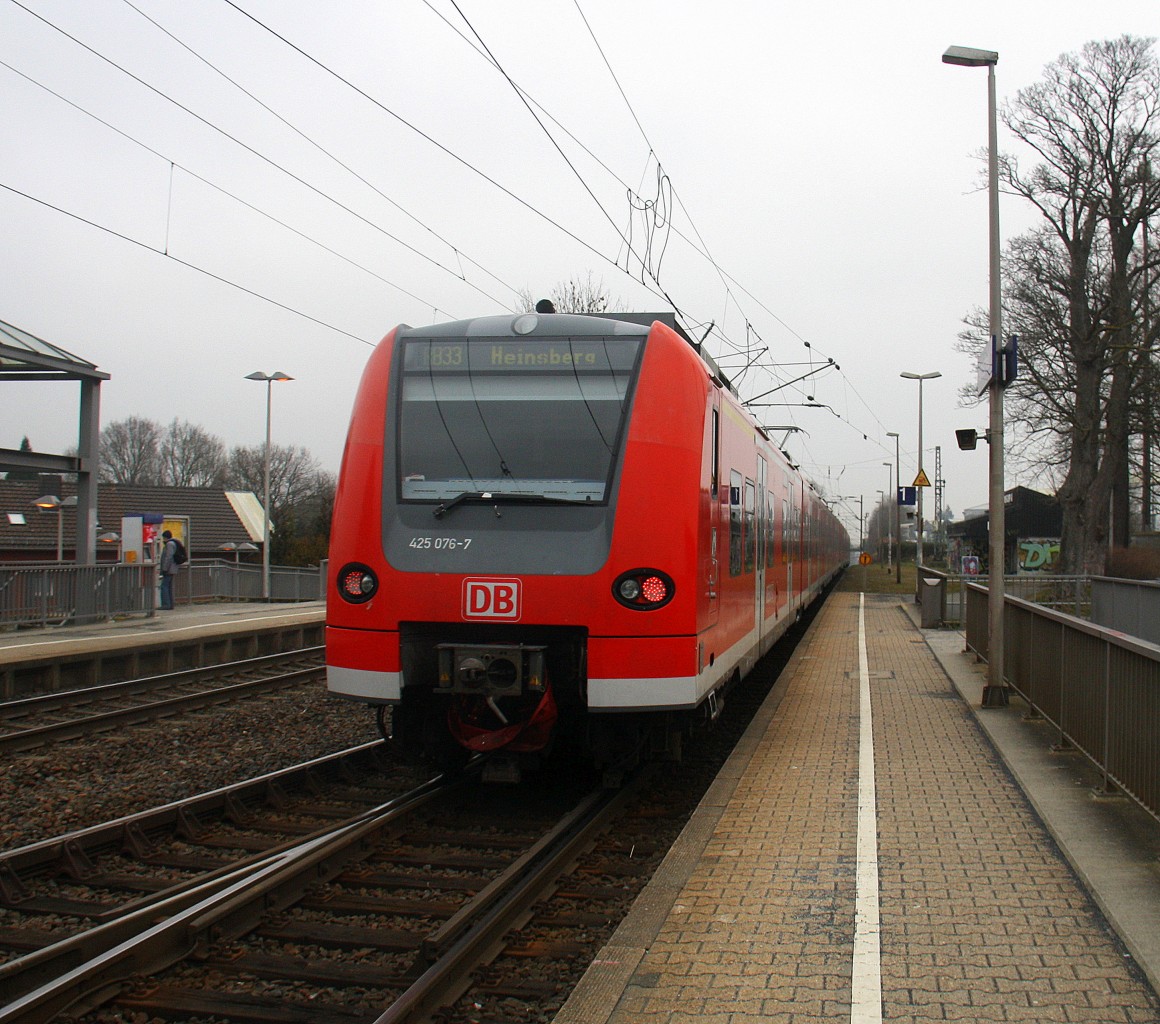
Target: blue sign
907,495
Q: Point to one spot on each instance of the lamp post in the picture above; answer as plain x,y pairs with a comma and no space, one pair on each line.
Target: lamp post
109,538
50,502
995,693
920,377
891,503
269,378
897,510
881,507
861,514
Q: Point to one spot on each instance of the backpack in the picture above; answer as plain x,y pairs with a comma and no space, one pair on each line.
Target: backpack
180,555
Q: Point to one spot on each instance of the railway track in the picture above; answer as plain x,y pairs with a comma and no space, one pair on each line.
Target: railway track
279,915
384,914
56,717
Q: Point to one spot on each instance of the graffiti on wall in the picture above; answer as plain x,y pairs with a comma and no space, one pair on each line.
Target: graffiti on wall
1038,554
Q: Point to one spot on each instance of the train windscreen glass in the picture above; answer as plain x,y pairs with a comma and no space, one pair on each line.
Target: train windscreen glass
538,418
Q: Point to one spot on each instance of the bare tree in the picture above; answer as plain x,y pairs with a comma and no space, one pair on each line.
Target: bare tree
1072,286
576,296
306,535
294,480
189,456
130,452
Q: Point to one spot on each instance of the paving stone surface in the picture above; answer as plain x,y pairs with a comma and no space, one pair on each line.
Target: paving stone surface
981,917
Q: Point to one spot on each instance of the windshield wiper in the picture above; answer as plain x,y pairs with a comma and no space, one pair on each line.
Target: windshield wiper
506,498
459,499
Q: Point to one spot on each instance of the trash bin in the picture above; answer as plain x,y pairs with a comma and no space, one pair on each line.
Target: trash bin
934,594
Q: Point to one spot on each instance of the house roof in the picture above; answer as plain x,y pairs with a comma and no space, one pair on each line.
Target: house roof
1027,513
216,517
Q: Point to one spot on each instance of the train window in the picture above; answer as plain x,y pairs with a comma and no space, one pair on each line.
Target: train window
735,554
716,456
528,417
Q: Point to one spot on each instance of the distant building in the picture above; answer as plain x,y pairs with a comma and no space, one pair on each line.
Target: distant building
1033,523
216,517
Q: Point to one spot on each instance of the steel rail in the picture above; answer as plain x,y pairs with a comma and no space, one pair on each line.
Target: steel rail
39,736
52,961
156,937
131,687
114,834
464,940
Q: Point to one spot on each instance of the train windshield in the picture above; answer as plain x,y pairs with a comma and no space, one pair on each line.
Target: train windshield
530,418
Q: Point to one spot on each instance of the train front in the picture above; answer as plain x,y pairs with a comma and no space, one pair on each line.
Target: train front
474,520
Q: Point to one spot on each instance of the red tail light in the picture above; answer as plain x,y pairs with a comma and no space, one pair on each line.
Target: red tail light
357,583
643,589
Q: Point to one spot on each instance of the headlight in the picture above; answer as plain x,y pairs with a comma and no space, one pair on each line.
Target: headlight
357,583
643,589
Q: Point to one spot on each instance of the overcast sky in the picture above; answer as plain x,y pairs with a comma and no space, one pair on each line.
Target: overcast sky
195,190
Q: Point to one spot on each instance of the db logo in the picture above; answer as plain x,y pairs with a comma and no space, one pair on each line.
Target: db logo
491,599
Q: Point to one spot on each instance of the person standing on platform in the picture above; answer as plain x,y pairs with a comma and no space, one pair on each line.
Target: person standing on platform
168,570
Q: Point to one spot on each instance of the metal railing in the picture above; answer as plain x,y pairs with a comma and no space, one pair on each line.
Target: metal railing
1098,687
229,581
1071,594
52,594
1130,606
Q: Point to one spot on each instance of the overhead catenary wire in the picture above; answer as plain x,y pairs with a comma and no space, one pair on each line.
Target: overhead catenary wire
701,248
427,137
173,166
321,149
729,282
244,145
192,266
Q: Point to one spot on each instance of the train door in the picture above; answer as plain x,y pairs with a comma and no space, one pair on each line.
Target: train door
786,548
792,552
800,542
762,539
713,565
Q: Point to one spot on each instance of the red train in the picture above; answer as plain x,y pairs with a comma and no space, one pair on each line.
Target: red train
554,527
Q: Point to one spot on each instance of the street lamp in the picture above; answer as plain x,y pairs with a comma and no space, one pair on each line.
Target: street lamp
109,538
861,513
995,693
50,502
918,480
269,378
892,503
897,510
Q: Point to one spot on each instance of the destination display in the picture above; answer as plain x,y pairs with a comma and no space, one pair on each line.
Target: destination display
514,356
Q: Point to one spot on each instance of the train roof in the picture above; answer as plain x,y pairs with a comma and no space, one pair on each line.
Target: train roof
670,321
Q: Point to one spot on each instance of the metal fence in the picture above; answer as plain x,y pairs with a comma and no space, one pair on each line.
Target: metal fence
1098,687
52,594
1070,594
229,581
1131,606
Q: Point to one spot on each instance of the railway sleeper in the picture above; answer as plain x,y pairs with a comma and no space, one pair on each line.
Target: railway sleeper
175,1003
343,936
312,971
340,903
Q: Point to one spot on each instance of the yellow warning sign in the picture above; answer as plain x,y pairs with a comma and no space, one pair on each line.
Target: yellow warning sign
921,480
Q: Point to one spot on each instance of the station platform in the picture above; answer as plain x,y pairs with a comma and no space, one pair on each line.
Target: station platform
879,847
67,657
